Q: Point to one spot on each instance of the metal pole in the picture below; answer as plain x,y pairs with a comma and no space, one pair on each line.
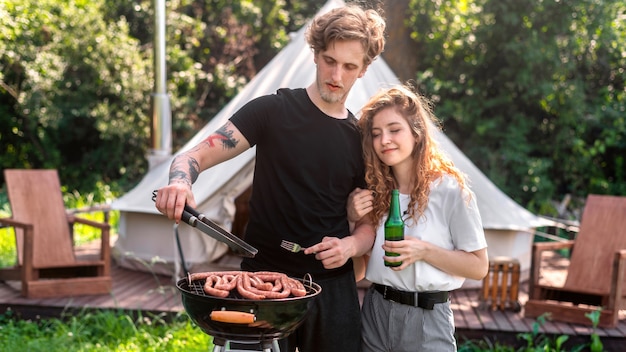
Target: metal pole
161,111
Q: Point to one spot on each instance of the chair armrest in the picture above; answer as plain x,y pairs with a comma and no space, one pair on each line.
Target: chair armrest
540,247
105,229
76,219
535,263
103,208
10,222
25,272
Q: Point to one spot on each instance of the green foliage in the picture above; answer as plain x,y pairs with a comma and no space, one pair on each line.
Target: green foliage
76,77
483,345
531,91
7,238
100,198
536,341
103,331
596,344
74,90
528,90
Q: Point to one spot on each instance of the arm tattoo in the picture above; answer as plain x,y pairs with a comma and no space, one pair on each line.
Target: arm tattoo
225,135
179,174
194,169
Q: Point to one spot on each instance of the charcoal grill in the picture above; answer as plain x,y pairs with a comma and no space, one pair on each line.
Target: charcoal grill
243,320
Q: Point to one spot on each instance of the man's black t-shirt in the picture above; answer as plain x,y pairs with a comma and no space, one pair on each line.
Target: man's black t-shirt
307,163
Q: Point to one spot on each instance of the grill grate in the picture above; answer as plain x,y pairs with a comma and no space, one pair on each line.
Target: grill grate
196,287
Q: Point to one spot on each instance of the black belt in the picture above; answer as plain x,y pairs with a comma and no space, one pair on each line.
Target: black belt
424,300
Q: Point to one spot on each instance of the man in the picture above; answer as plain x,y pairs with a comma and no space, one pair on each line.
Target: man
308,160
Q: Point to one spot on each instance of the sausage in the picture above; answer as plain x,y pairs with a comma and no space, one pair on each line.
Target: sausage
228,282
297,288
269,276
243,287
265,293
277,295
260,284
254,286
209,289
204,275
284,292
278,285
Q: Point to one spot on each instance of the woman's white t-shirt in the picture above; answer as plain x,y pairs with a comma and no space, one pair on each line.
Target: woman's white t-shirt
451,221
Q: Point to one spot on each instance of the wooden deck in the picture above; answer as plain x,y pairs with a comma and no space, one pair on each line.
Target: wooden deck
147,292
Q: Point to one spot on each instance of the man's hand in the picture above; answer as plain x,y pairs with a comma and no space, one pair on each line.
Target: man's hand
332,252
171,200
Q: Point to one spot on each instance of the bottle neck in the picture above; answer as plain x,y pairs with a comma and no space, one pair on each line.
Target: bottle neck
394,208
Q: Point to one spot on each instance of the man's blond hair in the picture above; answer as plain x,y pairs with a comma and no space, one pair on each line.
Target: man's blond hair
349,22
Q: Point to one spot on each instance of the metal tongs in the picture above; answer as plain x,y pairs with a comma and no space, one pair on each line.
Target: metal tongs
195,219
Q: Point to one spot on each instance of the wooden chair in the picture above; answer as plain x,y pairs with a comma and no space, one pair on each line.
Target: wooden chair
596,276
47,263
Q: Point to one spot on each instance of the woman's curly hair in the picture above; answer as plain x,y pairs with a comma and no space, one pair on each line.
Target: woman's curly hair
430,162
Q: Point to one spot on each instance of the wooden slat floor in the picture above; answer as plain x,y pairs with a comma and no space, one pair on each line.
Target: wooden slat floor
147,292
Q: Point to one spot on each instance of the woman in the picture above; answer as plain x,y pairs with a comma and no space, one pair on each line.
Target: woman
407,308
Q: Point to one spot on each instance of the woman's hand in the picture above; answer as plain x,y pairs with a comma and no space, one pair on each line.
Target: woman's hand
471,265
410,250
360,202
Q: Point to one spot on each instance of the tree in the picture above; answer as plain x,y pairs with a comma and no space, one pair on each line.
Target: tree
74,89
528,89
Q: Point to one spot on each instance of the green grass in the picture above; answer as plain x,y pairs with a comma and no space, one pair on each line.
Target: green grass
103,331
119,331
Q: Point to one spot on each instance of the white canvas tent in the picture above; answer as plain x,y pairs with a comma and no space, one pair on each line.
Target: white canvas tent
146,235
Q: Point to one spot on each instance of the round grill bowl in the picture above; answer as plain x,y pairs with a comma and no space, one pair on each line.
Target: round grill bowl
273,318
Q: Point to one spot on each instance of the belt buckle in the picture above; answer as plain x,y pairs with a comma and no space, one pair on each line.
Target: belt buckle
416,301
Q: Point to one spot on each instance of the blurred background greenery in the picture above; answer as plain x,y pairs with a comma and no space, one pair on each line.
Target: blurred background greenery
531,91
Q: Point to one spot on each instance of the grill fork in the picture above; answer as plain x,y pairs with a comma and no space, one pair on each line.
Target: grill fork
291,246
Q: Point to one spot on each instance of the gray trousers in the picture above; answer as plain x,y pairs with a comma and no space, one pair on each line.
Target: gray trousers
391,326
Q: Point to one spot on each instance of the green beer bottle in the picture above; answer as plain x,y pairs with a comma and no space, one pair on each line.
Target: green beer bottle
394,225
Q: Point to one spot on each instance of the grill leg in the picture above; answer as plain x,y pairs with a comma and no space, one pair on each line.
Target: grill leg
219,345
265,346
271,346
